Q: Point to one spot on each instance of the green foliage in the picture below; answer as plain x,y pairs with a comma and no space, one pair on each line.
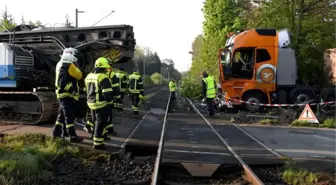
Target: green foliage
296,176
329,123
144,57
191,88
156,78
26,159
311,23
7,21
298,123
268,121
148,80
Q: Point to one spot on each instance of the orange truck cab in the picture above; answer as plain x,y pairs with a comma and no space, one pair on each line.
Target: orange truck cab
258,66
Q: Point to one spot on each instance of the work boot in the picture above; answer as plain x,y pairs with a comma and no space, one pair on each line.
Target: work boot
99,147
73,136
57,131
75,139
111,132
106,137
65,133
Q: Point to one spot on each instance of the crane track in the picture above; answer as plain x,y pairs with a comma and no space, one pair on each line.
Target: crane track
40,107
249,174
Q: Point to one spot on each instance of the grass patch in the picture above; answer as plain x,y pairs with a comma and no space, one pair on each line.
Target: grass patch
296,176
268,121
298,123
26,159
329,123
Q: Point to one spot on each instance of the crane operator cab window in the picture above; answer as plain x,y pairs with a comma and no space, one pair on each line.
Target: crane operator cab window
243,63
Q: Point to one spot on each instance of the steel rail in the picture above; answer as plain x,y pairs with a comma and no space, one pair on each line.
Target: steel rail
160,148
250,175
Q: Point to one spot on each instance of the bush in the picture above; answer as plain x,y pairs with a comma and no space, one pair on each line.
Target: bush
148,80
156,78
329,123
191,88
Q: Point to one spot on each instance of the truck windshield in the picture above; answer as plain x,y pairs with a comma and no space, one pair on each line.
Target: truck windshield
226,63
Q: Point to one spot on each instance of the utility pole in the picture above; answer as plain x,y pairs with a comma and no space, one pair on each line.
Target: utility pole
77,12
144,72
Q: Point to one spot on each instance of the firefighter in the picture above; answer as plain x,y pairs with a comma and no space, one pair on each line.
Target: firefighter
209,91
172,89
67,76
136,89
99,95
116,95
123,86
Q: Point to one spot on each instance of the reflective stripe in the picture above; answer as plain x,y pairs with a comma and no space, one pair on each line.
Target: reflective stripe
90,123
68,86
59,123
134,108
98,141
107,90
118,96
70,125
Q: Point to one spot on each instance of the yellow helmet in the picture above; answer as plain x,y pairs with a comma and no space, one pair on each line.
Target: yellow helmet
102,63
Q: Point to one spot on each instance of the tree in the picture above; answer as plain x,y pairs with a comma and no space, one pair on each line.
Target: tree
312,25
197,46
7,21
67,23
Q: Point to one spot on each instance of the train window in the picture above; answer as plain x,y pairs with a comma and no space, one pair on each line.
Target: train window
243,63
262,55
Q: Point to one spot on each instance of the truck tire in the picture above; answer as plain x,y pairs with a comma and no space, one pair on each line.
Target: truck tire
254,97
302,96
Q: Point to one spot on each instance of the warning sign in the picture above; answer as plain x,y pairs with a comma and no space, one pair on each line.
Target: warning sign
308,115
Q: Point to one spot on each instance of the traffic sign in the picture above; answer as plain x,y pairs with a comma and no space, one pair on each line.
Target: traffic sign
308,115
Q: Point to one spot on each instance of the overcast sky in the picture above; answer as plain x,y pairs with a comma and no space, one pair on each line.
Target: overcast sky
166,26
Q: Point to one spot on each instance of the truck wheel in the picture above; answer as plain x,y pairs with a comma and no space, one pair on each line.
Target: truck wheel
302,97
254,97
330,98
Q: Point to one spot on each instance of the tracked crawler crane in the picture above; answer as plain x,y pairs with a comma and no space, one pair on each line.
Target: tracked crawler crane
29,56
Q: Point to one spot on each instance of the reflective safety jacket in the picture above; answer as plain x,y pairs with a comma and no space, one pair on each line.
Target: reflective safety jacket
99,92
123,81
135,83
66,81
209,87
172,86
114,83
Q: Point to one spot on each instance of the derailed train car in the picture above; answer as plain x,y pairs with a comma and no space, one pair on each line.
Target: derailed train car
29,57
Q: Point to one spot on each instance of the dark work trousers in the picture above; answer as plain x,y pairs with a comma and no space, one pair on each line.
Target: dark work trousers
173,95
66,117
135,102
210,106
121,99
89,121
109,125
100,118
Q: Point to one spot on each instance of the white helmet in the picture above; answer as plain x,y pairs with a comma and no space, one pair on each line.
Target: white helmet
68,55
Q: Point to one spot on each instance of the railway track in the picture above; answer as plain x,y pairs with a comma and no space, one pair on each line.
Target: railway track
201,154
16,124
170,146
